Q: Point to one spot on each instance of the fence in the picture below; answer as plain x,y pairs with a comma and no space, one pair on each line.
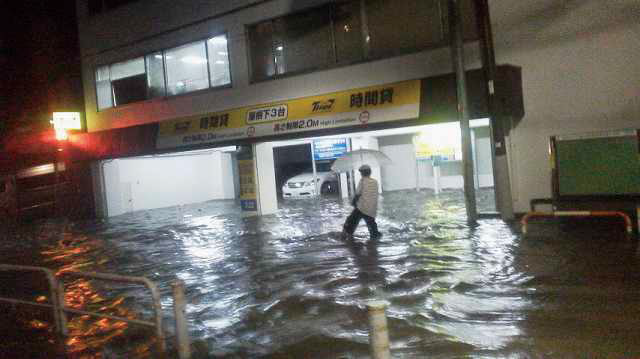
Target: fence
59,310
378,335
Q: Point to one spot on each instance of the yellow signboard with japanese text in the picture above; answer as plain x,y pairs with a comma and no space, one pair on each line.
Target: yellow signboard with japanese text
357,107
248,196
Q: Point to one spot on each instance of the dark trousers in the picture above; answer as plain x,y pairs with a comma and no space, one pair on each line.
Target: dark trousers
354,219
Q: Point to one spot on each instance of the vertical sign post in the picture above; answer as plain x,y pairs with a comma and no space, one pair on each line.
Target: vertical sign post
247,174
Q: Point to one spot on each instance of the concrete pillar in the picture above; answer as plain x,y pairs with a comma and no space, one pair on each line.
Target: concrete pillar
265,179
502,182
113,192
235,175
344,186
99,195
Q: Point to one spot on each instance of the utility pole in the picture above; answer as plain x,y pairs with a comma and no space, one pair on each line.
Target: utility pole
502,182
457,58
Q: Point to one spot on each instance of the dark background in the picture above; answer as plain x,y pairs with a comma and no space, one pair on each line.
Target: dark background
39,64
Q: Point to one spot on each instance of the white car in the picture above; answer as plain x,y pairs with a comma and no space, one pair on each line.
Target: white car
302,184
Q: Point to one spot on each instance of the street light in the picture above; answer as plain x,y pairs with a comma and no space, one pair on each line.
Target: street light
65,121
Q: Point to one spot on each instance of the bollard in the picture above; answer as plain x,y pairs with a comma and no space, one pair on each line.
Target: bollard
378,332
179,309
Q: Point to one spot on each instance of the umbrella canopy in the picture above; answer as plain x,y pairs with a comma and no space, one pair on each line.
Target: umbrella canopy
355,159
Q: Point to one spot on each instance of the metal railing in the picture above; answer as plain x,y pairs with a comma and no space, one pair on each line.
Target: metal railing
59,309
378,331
54,296
628,225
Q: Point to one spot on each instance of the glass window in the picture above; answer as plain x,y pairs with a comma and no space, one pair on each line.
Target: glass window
262,51
293,43
344,32
347,30
304,40
129,81
218,61
103,88
155,75
397,27
128,68
186,68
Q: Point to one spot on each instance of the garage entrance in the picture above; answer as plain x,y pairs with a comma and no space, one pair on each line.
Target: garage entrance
424,158
169,180
301,163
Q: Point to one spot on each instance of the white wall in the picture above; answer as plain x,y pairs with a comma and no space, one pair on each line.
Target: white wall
580,73
401,174
483,167
113,194
145,183
266,178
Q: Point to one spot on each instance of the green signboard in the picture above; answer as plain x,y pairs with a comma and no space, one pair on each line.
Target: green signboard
608,165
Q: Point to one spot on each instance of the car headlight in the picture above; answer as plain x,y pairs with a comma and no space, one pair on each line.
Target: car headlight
308,184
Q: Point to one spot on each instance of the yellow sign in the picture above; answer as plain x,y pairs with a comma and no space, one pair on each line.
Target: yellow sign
247,179
356,107
247,174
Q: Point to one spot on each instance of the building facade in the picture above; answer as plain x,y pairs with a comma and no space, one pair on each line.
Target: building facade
156,68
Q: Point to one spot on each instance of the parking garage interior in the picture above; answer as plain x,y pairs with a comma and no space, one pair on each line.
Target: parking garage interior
424,158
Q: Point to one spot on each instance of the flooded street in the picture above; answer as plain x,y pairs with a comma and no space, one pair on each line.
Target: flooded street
286,286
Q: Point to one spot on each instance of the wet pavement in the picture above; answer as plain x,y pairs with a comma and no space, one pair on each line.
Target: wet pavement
286,286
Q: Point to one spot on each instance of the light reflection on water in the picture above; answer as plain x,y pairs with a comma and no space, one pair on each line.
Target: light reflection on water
285,284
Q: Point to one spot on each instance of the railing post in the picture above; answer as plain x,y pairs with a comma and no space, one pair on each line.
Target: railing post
54,289
378,331
62,316
179,309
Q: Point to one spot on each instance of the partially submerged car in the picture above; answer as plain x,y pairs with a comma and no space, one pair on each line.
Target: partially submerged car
301,186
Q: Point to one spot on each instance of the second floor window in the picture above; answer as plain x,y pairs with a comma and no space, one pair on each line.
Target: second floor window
349,31
191,67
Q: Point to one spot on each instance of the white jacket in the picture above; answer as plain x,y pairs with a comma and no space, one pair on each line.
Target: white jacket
368,201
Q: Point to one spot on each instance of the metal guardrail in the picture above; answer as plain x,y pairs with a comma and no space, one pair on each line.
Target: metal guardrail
378,331
155,295
57,303
54,296
627,220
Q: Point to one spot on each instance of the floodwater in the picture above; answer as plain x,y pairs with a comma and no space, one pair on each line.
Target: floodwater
286,286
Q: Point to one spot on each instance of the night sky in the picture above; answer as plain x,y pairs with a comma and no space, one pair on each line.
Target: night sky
39,63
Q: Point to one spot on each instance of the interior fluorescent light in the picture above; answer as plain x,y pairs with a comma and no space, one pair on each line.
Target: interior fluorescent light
193,60
218,40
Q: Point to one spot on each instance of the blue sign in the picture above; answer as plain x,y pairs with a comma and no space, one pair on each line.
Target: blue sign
329,149
249,205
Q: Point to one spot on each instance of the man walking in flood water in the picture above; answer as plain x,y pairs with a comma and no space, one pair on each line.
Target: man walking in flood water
366,206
